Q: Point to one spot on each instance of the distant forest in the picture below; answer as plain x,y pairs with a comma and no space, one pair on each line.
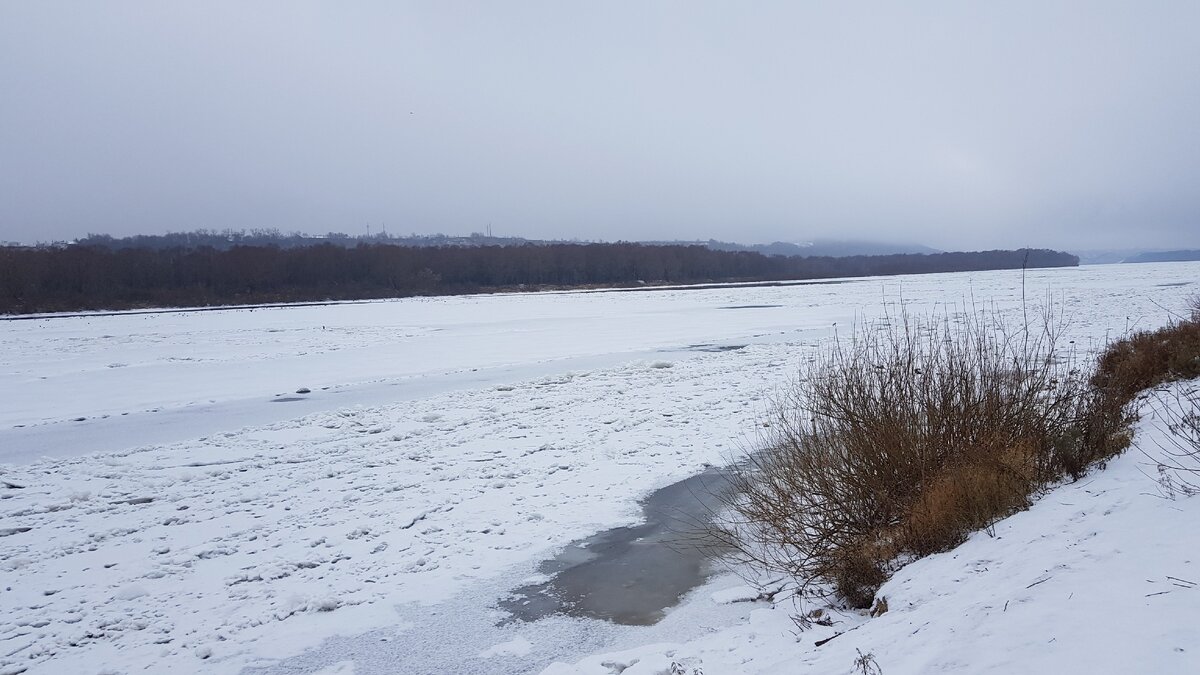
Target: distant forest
95,277
223,240
226,239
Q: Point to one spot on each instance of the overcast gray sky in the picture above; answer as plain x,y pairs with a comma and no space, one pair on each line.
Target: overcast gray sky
957,125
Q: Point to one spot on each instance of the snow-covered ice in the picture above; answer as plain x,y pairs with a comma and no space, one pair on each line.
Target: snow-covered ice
171,513
517,647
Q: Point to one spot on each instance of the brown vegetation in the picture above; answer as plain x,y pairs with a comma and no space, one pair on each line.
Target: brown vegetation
907,437
1149,358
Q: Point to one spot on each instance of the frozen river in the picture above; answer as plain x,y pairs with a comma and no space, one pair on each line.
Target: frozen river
82,384
291,488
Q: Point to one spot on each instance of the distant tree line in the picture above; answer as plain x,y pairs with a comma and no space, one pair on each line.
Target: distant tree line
223,240
76,277
229,238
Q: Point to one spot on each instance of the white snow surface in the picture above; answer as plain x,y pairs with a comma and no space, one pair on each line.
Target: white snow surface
171,516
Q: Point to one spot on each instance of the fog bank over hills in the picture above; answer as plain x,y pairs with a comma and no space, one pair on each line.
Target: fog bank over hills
1134,255
833,248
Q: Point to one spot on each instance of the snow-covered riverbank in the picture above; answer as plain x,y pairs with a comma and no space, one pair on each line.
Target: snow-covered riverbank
1099,576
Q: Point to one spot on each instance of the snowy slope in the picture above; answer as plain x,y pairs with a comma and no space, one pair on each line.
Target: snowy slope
460,442
1099,576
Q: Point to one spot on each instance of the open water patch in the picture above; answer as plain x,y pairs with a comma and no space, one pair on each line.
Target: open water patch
632,575
715,348
749,306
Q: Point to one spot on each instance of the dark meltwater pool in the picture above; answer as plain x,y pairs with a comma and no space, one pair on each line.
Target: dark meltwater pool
631,575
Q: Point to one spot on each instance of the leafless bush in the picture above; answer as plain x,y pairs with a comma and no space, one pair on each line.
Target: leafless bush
865,664
904,438
1144,360
1178,458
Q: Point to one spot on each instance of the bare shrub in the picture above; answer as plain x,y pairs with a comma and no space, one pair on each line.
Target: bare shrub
865,664
904,438
1178,458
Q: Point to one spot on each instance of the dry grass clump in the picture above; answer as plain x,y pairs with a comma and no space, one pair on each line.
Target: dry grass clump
906,437
968,496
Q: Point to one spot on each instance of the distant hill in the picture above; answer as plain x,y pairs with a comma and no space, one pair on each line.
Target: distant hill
1164,256
827,248
1132,255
